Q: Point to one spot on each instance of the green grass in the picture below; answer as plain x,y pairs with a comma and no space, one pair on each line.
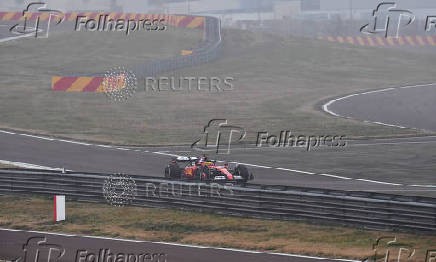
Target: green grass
35,213
279,84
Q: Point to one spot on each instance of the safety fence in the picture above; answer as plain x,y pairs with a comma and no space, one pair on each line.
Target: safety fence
207,50
361,209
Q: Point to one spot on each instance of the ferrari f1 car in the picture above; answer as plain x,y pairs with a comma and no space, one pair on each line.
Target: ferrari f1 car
202,169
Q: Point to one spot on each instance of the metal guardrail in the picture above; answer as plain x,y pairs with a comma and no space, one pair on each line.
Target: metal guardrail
377,211
207,51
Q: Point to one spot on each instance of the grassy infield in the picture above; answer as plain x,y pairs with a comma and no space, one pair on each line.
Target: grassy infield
204,229
280,81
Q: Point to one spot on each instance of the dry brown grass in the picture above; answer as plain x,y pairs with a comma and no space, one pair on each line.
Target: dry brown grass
202,229
6,166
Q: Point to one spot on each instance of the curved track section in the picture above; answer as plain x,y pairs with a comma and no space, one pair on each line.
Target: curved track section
316,169
402,107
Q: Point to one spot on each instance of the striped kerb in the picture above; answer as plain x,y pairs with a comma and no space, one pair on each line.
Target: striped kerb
77,84
383,41
94,84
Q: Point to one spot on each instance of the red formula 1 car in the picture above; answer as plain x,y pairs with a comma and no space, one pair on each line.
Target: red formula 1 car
202,169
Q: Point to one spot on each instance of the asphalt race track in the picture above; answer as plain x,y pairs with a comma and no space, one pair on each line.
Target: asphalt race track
321,168
399,166
79,248
409,106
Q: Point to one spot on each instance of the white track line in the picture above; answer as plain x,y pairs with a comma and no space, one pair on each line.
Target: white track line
340,177
413,86
27,165
105,146
165,154
326,106
391,125
37,137
74,142
266,167
183,245
7,132
378,182
15,37
296,171
427,186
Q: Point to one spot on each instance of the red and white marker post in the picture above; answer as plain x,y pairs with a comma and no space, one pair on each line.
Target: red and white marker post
59,208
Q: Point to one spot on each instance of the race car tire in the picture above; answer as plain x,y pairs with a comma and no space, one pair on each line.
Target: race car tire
242,171
198,174
172,171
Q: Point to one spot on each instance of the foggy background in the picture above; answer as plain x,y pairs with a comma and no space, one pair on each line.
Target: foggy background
291,17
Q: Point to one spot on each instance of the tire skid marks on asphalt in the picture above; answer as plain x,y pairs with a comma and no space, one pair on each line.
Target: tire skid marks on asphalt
181,245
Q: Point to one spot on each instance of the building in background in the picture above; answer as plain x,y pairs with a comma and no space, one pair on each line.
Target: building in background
231,11
132,6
